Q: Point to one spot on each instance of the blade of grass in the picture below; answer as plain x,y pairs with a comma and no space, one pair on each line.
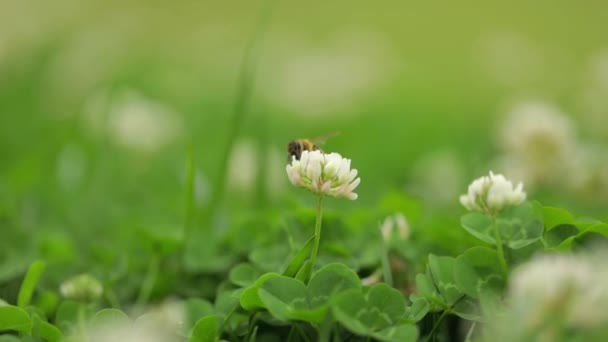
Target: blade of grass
243,95
29,283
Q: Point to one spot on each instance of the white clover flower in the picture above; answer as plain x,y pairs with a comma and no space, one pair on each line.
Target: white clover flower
324,174
554,297
541,139
141,123
82,287
491,194
567,285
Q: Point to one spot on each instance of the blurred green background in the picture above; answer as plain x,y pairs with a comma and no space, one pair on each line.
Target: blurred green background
101,100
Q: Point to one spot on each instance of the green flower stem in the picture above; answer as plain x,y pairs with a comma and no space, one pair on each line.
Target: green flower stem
499,247
148,284
437,323
386,263
82,322
315,248
470,333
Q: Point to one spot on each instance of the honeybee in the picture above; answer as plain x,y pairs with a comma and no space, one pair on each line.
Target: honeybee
297,146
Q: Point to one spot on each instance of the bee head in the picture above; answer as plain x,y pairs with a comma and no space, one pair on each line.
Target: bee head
294,148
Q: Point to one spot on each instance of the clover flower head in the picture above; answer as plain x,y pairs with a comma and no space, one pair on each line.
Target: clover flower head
324,174
82,287
570,285
491,194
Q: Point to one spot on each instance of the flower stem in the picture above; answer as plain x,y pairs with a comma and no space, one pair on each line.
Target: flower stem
148,284
437,323
386,263
315,248
499,247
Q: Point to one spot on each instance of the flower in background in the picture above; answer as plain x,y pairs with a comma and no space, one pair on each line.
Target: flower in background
142,124
162,323
490,194
324,174
395,223
247,155
82,287
538,140
555,296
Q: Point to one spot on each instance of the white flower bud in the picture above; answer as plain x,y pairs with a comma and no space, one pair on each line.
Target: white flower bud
492,193
396,222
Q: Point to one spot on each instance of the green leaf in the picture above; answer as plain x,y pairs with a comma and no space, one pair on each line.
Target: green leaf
47,301
250,300
600,227
378,309
419,308
205,330
210,259
269,258
400,333
442,271
196,308
298,260
425,285
478,225
329,280
304,273
226,303
243,275
478,269
521,225
14,318
290,299
553,217
558,234
9,338
67,315
287,299
29,283
45,330
110,316
468,309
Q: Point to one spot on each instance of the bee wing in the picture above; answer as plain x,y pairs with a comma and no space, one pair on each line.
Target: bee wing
320,140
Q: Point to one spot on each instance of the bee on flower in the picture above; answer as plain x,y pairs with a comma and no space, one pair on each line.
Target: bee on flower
324,174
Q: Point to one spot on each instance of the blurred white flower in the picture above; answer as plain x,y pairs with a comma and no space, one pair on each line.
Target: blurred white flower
142,124
588,171
536,129
315,80
246,156
82,287
159,323
538,141
324,174
491,194
572,287
392,223
124,332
